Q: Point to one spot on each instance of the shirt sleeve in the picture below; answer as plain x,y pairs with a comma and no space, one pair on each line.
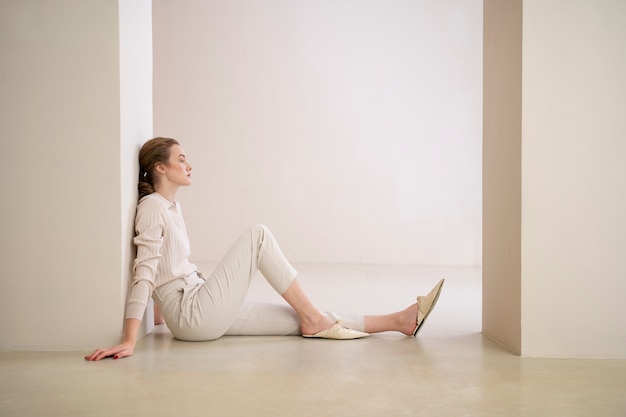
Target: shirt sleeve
149,229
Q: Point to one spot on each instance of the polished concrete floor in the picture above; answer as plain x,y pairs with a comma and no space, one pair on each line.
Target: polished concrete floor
449,370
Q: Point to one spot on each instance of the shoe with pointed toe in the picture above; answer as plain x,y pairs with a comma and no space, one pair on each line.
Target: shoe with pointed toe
338,332
425,304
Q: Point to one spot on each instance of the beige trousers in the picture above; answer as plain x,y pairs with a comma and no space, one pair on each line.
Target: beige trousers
196,308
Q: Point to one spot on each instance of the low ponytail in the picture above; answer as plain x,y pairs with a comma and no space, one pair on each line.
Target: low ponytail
153,151
145,187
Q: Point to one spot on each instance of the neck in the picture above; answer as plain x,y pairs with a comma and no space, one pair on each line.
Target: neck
167,192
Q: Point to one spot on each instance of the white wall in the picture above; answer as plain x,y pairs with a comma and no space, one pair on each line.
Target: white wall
574,178
65,213
352,129
135,45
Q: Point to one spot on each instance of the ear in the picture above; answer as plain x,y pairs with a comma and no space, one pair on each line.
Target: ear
159,168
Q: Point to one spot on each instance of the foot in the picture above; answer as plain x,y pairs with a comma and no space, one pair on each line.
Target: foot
338,332
405,320
315,324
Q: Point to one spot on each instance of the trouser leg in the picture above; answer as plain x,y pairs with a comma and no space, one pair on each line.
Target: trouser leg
218,308
218,303
264,319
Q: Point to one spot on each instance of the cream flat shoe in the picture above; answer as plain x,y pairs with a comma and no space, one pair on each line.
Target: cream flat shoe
425,305
338,332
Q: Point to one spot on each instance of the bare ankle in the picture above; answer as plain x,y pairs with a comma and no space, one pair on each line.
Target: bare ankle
313,323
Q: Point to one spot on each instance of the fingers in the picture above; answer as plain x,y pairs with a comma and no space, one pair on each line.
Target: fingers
121,354
116,352
99,354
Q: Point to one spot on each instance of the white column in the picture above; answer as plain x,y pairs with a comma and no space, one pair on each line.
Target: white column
68,152
574,179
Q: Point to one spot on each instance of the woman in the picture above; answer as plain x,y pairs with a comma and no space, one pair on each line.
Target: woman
197,308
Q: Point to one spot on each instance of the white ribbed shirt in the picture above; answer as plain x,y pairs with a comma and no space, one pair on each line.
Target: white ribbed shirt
163,250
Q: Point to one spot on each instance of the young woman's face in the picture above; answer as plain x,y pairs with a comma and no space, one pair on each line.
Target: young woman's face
178,170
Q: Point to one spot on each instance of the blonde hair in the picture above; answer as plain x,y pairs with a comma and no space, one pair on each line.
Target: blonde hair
152,152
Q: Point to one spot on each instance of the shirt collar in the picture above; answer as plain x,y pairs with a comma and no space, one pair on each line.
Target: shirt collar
166,203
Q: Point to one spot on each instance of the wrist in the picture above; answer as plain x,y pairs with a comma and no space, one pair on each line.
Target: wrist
131,329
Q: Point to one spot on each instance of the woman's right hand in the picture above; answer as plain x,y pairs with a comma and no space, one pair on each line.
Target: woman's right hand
117,352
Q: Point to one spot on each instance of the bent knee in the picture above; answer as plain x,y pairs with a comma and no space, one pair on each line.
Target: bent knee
260,232
260,229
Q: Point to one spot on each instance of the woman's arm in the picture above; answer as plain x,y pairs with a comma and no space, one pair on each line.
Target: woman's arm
126,348
150,225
